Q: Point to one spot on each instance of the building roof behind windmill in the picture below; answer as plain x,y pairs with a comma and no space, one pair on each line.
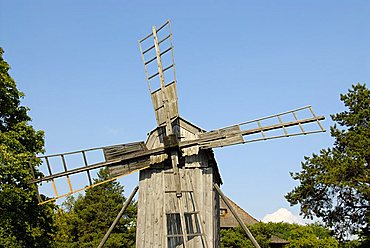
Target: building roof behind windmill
227,219
277,240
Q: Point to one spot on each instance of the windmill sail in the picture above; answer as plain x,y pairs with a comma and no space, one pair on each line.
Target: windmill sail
124,159
281,125
76,171
161,76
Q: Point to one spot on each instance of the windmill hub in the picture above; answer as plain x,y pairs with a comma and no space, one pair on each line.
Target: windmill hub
171,142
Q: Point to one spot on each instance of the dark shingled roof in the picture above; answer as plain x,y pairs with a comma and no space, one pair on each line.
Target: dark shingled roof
227,219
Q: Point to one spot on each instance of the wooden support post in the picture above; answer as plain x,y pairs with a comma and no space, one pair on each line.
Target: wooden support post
128,201
176,172
241,223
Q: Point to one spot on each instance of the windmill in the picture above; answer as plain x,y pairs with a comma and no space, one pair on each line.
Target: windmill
178,202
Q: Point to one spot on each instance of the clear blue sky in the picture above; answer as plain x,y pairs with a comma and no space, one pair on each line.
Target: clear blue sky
78,63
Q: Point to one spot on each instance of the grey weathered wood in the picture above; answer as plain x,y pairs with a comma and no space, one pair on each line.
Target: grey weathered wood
159,104
119,170
118,151
199,172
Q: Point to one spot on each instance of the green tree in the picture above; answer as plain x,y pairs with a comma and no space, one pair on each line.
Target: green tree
312,235
235,237
335,184
82,222
22,222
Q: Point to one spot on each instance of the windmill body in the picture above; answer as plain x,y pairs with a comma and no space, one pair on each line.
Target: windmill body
178,204
165,220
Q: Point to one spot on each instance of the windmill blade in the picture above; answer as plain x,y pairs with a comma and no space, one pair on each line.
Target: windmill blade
58,169
239,134
161,76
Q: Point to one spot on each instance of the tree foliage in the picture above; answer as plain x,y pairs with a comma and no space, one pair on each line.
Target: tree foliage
82,222
312,235
22,222
335,184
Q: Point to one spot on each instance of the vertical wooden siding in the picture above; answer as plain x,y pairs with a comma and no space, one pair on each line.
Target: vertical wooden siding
156,200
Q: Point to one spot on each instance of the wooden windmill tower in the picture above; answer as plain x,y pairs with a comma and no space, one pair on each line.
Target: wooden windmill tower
178,203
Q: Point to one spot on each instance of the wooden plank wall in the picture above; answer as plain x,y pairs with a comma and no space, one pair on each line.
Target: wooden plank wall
196,179
154,203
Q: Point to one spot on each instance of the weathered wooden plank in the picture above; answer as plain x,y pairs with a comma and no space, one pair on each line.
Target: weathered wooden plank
220,132
148,211
233,140
158,103
156,205
117,151
163,209
208,180
140,232
119,170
